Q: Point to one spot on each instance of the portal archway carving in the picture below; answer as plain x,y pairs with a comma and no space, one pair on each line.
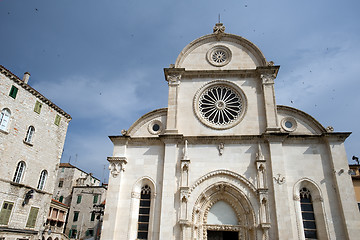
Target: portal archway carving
230,194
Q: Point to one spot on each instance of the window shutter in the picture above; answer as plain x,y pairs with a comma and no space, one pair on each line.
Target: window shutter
32,217
92,216
95,198
57,120
5,212
38,106
78,199
13,92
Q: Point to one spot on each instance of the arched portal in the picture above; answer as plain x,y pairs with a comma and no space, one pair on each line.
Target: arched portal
223,212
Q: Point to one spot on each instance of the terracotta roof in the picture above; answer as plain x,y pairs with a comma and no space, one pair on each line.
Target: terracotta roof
56,201
27,87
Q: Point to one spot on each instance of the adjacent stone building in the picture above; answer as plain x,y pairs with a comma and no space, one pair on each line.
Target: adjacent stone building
32,135
56,219
223,161
355,176
68,177
83,221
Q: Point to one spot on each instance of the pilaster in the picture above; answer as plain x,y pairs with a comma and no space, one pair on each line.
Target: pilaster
267,82
343,184
112,209
167,211
280,187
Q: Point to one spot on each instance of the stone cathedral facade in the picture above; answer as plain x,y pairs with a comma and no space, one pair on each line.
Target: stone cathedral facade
223,161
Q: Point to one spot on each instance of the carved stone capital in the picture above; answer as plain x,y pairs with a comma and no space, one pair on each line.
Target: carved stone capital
267,78
117,164
184,223
135,195
174,80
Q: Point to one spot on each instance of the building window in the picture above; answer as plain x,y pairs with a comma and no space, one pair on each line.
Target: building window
42,180
61,183
4,119
61,199
29,134
57,120
73,232
76,216
32,217
144,213
96,197
5,212
13,92
92,218
37,107
20,169
308,216
90,232
79,197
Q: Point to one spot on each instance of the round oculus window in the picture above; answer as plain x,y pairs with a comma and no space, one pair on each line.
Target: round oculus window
219,56
288,124
220,105
155,127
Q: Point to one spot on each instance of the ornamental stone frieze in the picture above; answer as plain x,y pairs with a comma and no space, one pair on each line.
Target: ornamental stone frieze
117,165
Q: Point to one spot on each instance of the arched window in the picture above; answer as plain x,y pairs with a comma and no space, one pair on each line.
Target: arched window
307,212
29,134
144,212
4,119
42,180
20,169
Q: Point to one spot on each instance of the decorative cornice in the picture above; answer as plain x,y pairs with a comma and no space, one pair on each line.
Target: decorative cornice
31,90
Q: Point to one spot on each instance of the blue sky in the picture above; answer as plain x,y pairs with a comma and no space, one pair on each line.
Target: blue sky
102,60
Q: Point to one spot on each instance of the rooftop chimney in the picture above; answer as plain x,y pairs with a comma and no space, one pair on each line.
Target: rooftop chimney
26,77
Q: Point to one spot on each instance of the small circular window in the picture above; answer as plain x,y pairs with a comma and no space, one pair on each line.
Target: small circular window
219,56
288,124
155,127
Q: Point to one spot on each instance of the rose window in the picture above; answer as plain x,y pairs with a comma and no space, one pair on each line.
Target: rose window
220,105
219,56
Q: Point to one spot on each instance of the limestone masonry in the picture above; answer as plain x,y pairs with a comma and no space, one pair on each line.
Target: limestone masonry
223,161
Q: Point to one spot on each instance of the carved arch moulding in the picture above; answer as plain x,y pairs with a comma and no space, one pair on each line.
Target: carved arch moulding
244,210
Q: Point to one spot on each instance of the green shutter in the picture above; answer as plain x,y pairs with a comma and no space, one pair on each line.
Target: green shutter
92,216
76,216
95,200
38,106
61,199
32,217
5,212
57,120
13,92
78,199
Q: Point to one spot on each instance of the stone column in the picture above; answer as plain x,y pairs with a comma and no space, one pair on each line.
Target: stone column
171,125
280,189
343,184
112,208
169,188
269,102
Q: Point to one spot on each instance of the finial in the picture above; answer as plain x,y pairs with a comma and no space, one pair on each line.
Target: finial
219,27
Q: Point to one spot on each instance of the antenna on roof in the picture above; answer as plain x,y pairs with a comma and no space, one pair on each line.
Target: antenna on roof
219,17
69,159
